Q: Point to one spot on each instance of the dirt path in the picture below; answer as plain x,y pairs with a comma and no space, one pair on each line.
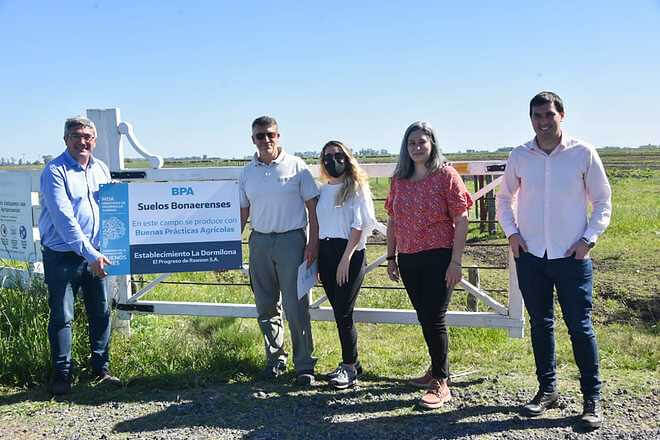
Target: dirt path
483,408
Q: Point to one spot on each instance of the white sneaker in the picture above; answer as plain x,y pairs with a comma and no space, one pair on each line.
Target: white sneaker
346,377
336,371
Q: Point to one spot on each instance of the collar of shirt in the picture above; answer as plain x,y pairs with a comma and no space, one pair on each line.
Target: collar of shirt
277,160
74,163
565,143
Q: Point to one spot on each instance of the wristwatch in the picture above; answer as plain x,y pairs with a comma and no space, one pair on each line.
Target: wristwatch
590,244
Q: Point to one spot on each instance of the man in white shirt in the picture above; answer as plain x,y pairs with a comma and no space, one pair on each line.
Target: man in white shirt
542,208
278,193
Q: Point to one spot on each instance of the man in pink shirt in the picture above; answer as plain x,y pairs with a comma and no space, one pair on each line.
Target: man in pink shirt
542,208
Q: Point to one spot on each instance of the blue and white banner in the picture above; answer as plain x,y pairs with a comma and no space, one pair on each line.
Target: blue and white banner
170,227
16,233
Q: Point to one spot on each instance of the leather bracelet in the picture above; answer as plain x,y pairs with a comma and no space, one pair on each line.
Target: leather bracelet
390,257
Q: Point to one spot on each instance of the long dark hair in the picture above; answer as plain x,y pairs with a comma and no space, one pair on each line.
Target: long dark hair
405,167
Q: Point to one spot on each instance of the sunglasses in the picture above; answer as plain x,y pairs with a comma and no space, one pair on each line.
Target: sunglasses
271,135
338,156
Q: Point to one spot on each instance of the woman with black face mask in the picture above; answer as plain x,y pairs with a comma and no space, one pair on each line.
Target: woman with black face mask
346,218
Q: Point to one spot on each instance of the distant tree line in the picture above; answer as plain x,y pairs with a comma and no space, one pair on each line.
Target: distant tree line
364,152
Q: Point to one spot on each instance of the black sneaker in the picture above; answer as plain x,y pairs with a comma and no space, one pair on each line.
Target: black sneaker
540,403
305,378
335,373
274,371
592,417
60,386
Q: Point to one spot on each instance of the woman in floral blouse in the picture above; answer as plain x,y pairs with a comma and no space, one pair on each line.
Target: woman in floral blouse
428,218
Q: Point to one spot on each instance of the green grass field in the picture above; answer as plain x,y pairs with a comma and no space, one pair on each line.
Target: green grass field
642,157
190,351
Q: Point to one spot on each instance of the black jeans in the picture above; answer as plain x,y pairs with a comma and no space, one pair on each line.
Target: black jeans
423,275
342,298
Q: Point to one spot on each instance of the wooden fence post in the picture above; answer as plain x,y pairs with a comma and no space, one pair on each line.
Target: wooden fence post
473,278
482,208
490,207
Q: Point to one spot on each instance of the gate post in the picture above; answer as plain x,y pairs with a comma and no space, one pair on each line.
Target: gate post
516,305
109,150
120,288
108,140
473,278
489,199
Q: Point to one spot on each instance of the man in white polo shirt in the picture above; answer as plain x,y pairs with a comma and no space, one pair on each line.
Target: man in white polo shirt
550,181
278,193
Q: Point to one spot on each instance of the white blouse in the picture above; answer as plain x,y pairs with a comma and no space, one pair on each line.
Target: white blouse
337,221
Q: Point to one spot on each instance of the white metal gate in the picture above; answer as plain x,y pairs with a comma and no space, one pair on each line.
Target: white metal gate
111,133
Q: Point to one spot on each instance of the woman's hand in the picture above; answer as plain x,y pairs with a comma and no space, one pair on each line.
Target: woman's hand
393,270
453,275
342,271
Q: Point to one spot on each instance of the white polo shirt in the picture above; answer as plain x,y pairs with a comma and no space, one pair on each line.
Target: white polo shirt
276,193
545,197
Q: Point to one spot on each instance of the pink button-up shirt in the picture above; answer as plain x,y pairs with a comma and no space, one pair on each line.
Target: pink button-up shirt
544,197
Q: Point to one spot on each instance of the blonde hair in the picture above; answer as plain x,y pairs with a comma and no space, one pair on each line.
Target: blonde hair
355,179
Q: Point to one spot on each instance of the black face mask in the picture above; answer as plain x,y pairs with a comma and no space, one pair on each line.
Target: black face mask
335,164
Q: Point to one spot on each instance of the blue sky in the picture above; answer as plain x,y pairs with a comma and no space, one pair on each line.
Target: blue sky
191,76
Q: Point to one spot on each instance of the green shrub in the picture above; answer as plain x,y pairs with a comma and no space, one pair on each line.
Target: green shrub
24,348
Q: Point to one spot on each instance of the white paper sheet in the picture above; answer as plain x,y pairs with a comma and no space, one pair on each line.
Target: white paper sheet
306,278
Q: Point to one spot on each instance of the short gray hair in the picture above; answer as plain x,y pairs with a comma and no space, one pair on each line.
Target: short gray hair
78,121
405,168
265,122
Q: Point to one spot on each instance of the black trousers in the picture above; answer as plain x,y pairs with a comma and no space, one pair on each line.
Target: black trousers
342,298
423,275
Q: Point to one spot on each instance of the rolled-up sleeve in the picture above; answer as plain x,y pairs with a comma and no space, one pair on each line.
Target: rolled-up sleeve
599,193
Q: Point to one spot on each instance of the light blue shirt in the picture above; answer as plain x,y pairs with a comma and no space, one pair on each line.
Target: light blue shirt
69,198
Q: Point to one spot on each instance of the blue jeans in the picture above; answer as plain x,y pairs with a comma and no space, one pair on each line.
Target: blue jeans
573,280
65,273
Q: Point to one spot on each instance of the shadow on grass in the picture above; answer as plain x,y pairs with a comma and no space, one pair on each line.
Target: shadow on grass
378,406
268,411
85,391
141,389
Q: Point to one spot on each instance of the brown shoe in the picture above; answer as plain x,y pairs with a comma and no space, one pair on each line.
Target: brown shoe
437,395
424,381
